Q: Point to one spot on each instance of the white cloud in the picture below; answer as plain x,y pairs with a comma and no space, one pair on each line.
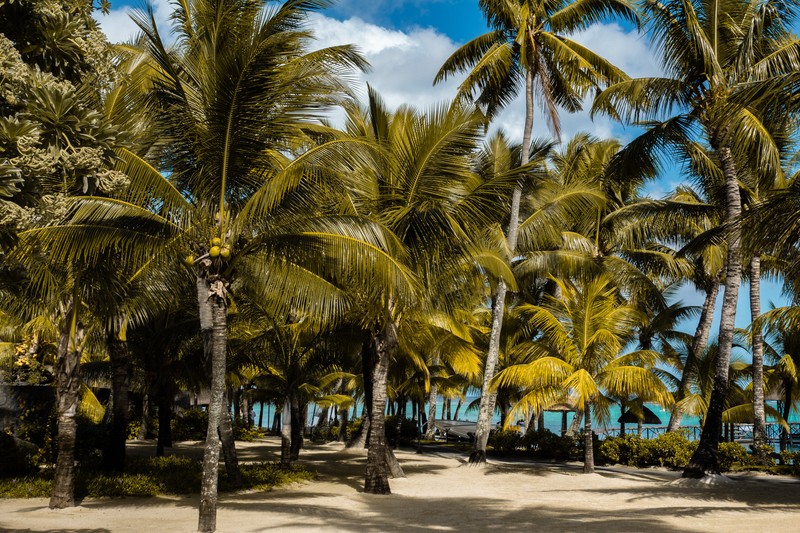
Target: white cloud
119,27
404,64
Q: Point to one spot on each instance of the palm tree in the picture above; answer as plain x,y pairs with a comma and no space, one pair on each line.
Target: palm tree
713,63
425,191
579,354
229,104
527,41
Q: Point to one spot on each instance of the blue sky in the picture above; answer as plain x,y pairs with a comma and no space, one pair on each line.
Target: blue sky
406,41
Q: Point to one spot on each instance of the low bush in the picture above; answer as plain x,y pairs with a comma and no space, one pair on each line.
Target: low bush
244,432
406,433
116,486
545,444
190,424
506,441
153,476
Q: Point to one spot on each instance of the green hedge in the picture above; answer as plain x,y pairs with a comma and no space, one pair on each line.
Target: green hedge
673,450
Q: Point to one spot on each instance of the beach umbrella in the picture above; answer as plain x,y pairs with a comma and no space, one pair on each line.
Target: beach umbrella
649,417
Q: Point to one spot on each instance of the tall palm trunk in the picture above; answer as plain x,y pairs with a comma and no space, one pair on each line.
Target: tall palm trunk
114,452
144,429
68,385
377,475
297,425
588,441
488,397
699,343
759,417
432,398
164,401
229,444
286,432
705,460
212,307
787,408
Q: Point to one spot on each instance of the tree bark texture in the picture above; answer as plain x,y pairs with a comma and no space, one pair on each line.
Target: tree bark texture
297,425
432,398
588,441
164,419
229,444
759,416
705,460
377,476
488,398
218,336
699,343
114,452
68,386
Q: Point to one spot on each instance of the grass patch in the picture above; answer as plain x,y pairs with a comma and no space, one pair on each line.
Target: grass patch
153,476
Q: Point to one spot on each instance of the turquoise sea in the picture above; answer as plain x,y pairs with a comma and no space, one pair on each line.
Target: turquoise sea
552,420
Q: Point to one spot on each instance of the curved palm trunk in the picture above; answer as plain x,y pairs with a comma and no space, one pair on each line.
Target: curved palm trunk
588,441
699,343
377,475
787,407
114,452
215,308
575,424
68,385
343,421
144,429
759,417
488,398
705,460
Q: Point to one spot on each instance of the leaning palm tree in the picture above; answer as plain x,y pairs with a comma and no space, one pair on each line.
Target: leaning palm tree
580,354
713,63
527,42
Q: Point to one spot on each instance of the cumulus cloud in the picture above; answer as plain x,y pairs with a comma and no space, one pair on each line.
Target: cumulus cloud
404,63
119,27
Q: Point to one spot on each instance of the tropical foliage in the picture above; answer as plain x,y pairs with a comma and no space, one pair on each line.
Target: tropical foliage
180,226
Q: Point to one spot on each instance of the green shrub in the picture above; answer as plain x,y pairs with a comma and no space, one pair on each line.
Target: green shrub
353,427
672,450
33,486
116,486
407,432
174,474
191,424
264,475
506,441
545,444
789,457
624,450
16,456
731,453
247,433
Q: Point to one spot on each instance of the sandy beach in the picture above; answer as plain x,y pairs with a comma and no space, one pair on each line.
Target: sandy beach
441,493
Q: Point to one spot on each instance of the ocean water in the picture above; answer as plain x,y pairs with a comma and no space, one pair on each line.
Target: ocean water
552,420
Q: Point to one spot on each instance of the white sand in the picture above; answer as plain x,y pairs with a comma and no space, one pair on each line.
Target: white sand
441,493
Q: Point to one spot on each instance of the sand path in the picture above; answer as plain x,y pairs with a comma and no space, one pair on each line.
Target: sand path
441,493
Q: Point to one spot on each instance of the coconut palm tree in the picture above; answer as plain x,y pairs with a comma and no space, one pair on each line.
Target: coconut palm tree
426,192
230,104
712,63
580,354
527,42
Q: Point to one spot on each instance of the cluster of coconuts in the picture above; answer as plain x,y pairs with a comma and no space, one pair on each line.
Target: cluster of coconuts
218,249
